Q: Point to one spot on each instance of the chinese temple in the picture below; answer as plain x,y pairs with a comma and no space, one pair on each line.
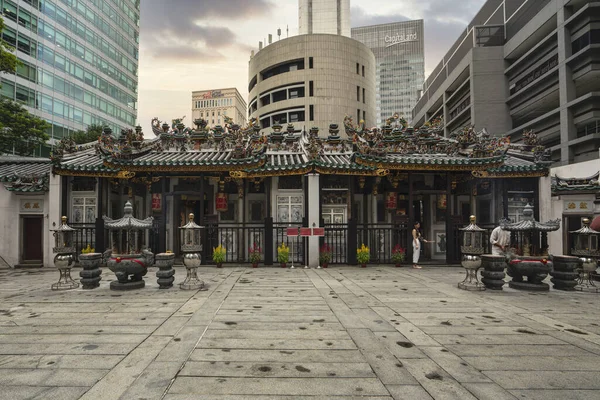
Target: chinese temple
247,189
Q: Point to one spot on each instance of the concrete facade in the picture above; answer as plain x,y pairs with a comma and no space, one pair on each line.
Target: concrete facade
399,54
523,65
312,80
324,16
213,105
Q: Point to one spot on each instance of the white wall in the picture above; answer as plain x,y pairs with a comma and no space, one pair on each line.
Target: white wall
11,227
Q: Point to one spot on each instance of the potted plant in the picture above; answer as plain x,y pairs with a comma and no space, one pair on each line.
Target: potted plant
283,254
398,254
254,254
363,255
219,255
325,255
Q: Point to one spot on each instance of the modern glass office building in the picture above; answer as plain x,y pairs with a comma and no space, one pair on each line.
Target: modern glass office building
79,61
399,54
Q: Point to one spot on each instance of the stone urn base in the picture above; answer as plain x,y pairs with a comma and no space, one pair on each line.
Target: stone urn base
564,275
129,270
192,282
493,271
90,273
63,263
585,281
165,273
535,269
471,263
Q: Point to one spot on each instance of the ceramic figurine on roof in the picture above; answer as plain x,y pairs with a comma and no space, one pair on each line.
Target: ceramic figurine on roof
65,145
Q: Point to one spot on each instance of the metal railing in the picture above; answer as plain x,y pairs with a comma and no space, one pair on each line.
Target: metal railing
84,235
336,237
382,238
237,239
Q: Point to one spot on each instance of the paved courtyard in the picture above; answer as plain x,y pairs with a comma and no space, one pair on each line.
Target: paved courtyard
269,333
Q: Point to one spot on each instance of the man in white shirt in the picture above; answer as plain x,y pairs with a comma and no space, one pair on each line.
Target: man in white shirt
500,240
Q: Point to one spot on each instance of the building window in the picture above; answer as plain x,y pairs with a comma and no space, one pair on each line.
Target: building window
489,36
358,93
311,88
363,95
297,116
363,70
83,210
357,68
358,115
364,115
283,68
311,112
310,62
289,208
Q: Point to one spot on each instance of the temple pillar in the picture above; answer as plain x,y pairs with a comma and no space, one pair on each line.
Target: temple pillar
55,211
313,218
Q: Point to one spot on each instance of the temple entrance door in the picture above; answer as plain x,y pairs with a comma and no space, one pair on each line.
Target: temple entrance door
430,202
31,239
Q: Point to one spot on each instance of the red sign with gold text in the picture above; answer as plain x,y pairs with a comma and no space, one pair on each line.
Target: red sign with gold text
292,232
305,232
391,201
318,231
221,201
156,201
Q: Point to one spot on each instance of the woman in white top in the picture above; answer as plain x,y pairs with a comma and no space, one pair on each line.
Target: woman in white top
417,239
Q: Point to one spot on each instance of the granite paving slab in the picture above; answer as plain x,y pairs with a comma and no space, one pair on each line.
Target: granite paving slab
278,370
273,334
279,386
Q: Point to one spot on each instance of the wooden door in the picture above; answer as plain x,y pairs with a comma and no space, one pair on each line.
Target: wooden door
32,239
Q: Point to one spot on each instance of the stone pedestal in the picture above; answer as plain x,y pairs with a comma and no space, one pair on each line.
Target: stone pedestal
471,263
493,271
564,274
64,263
535,269
165,273
90,273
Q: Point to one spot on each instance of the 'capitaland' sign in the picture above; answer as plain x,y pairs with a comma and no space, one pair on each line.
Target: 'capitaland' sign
400,38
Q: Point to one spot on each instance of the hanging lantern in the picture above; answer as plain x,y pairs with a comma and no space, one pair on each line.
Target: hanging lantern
221,202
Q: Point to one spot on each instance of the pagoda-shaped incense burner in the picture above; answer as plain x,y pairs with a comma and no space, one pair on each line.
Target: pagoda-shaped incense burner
530,258
129,259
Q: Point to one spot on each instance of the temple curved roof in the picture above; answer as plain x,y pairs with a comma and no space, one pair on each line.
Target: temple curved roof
244,152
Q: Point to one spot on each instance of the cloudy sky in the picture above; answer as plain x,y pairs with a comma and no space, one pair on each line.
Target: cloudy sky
188,45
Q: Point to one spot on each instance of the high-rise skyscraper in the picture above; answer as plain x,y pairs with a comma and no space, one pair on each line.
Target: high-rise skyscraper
324,16
399,55
79,61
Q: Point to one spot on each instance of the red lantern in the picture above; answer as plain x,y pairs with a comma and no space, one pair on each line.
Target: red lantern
391,201
221,201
